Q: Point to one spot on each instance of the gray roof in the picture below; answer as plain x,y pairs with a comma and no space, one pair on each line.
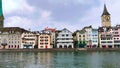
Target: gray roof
105,12
17,29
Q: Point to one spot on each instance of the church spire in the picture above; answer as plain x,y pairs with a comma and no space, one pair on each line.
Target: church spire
105,12
1,11
1,15
106,19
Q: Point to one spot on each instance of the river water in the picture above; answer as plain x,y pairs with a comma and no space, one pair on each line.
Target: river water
81,59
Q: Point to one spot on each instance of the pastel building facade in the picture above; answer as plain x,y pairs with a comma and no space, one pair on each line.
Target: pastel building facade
28,40
44,40
79,38
10,37
88,30
94,38
53,35
116,35
106,39
64,39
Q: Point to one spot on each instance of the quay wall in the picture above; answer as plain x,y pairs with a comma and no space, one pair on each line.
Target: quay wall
60,49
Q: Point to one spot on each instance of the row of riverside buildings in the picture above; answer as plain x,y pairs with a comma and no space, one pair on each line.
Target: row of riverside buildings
106,36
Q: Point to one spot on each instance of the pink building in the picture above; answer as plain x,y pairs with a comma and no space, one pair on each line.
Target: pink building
116,35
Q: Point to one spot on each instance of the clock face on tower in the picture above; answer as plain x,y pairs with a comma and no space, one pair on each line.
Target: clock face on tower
106,18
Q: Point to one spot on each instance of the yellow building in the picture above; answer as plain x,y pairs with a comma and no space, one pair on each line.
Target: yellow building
44,40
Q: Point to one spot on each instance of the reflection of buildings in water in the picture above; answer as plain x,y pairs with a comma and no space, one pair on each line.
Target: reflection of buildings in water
11,60
45,59
63,59
29,59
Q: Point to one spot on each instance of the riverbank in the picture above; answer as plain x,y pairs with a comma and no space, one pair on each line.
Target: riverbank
58,49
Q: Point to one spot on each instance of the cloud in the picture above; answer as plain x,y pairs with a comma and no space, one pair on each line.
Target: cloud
93,15
16,21
45,15
69,2
38,18
17,6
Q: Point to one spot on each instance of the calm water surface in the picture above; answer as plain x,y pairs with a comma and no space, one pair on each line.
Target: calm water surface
60,60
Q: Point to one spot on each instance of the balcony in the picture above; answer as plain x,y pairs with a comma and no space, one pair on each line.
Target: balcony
65,37
64,40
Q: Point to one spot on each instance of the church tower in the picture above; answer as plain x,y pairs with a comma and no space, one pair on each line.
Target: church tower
106,21
1,16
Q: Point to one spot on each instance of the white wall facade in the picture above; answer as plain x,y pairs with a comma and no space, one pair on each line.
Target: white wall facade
11,39
65,39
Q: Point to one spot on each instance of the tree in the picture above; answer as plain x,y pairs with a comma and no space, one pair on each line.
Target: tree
80,44
84,43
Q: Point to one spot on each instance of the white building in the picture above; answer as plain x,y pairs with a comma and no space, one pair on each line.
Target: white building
91,37
10,37
88,35
65,39
28,40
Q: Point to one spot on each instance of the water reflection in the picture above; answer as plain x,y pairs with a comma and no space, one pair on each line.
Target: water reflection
59,60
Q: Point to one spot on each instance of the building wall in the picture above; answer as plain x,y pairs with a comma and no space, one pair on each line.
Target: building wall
64,39
44,41
28,40
95,37
13,40
106,21
106,39
88,36
116,33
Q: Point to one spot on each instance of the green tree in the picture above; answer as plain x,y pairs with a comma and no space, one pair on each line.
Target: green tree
84,43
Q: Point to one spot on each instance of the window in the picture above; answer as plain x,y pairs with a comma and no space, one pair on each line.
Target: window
116,35
116,32
83,35
46,37
103,42
41,46
63,39
109,41
63,35
116,29
41,37
66,34
46,43
41,43
41,40
79,35
116,41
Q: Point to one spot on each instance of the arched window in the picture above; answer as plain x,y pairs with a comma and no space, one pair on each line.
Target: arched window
70,46
65,46
60,46
18,46
15,46
9,46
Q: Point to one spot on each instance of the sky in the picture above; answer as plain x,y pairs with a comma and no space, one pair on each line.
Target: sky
71,14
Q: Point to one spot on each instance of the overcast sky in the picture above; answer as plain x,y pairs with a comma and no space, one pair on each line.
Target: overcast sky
59,14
